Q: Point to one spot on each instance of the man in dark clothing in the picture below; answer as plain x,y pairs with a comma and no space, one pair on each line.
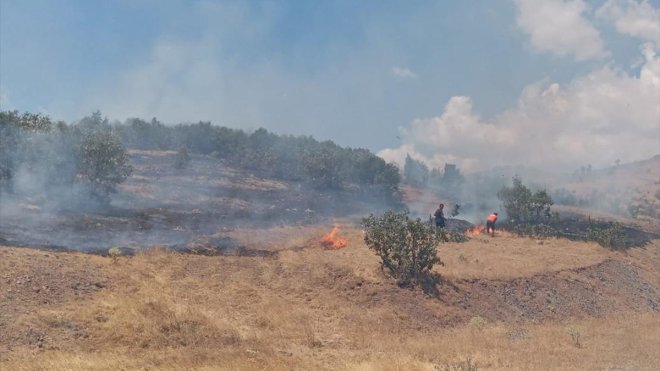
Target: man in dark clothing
440,216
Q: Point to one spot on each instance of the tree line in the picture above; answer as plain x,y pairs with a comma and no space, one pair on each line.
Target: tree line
93,153
298,158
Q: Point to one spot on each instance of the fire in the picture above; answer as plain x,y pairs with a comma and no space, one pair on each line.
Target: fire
481,229
476,230
332,241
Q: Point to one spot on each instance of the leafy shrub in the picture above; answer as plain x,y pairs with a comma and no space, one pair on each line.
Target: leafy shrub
613,235
407,248
524,207
478,323
16,147
103,164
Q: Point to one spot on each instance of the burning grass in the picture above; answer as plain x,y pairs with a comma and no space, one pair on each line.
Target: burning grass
480,229
331,240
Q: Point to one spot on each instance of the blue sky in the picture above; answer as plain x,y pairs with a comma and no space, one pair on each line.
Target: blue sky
362,73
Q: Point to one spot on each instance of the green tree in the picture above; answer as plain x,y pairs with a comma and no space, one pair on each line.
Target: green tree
19,134
451,181
611,235
407,248
415,172
103,163
456,210
524,207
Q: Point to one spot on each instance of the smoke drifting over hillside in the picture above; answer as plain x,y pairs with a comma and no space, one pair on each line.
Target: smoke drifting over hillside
77,186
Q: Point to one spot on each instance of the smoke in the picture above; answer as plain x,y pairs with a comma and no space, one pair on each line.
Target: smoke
163,203
596,119
557,135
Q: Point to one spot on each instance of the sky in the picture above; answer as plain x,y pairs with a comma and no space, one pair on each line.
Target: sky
550,83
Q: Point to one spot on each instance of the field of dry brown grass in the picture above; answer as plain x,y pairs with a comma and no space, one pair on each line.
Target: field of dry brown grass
504,303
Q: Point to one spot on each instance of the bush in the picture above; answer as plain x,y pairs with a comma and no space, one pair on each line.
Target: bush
407,248
524,207
16,144
613,235
104,163
456,210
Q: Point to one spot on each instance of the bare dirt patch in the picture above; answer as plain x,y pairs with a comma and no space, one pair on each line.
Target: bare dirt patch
32,281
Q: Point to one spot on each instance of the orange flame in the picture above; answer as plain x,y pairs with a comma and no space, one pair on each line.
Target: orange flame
332,241
481,228
476,230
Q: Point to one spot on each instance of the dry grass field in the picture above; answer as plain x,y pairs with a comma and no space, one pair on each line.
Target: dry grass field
503,303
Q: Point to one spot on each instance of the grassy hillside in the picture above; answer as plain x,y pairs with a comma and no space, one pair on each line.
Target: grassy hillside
222,268
505,302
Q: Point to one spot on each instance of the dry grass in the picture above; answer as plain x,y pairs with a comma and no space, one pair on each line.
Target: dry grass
307,308
509,257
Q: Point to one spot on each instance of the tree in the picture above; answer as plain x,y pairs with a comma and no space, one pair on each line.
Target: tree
452,179
17,142
103,163
321,166
524,207
415,172
407,248
456,210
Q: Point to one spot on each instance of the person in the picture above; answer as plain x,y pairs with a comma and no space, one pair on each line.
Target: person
440,216
490,224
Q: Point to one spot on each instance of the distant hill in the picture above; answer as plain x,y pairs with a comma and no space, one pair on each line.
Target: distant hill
630,190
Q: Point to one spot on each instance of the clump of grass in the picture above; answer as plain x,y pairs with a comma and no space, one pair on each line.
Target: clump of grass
478,322
114,253
574,333
310,334
467,365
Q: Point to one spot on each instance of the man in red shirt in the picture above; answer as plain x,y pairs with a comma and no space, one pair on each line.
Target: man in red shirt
490,224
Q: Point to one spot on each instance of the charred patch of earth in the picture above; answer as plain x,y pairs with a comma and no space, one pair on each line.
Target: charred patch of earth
222,246
577,227
173,225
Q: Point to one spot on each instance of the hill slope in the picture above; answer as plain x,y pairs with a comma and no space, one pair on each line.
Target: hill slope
505,302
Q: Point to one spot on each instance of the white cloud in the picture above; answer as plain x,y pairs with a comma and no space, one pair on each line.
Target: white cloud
634,18
403,73
596,119
558,26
